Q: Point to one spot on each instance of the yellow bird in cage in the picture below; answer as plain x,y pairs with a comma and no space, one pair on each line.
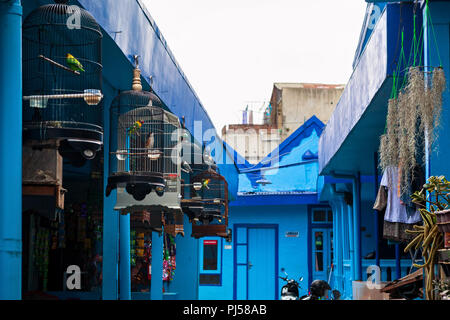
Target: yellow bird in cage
134,129
205,183
73,63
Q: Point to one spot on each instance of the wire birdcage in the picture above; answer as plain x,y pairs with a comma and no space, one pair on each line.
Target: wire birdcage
212,189
62,72
194,158
144,145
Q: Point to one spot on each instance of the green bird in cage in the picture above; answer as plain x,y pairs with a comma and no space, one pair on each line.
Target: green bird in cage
134,129
73,63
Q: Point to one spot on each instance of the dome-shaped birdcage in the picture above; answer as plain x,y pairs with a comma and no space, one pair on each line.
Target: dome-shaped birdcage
144,145
62,74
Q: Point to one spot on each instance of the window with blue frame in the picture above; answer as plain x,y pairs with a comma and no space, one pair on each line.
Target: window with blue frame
322,215
211,262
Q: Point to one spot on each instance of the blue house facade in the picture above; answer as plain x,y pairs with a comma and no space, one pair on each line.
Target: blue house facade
348,148
278,225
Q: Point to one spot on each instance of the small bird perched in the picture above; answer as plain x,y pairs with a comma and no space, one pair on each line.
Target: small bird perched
73,63
149,143
134,129
205,183
186,167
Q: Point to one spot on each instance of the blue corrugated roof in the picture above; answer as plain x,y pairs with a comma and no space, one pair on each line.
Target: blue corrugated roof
292,168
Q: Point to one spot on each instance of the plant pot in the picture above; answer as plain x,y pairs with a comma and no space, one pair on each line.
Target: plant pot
443,220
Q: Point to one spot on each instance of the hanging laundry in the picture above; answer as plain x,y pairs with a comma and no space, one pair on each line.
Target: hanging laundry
381,200
395,211
398,217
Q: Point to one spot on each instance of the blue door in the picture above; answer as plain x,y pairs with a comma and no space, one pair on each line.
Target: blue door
256,262
322,253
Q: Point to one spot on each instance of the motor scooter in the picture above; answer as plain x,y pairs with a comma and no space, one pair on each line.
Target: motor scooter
319,291
290,291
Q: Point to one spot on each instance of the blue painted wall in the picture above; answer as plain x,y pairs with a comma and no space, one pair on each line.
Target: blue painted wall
293,252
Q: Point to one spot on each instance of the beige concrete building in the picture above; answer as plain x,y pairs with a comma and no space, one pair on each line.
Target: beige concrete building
294,103
291,104
252,141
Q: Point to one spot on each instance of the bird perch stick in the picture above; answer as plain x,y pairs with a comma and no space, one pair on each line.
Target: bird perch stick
58,65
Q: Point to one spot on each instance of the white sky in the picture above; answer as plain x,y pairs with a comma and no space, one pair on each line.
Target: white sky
232,51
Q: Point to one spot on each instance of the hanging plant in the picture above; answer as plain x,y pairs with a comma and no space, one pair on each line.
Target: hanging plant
435,102
389,141
412,116
412,127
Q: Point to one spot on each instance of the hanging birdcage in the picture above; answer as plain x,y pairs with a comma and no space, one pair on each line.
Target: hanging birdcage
62,72
207,206
145,221
194,158
144,152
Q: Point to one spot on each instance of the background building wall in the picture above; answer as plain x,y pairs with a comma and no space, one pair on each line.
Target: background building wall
253,142
294,103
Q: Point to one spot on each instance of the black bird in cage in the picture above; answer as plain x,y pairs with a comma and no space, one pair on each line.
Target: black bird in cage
62,72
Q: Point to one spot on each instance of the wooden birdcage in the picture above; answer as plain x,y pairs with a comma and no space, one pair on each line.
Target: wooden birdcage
207,207
62,76
173,223
145,221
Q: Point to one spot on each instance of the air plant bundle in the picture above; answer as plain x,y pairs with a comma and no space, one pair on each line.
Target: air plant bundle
389,140
413,117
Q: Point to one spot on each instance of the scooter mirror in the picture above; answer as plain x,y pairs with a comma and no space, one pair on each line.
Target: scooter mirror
301,279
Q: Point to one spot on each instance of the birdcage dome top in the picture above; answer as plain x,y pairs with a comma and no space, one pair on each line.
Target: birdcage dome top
60,14
133,98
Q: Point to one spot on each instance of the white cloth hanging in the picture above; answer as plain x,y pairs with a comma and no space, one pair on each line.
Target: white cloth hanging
395,210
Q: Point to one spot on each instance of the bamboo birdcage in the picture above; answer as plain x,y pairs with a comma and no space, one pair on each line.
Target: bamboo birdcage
62,72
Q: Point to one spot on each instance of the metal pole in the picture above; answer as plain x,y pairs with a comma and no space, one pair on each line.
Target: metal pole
397,261
124,258
10,150
110,267
157,267
357,225
376,224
